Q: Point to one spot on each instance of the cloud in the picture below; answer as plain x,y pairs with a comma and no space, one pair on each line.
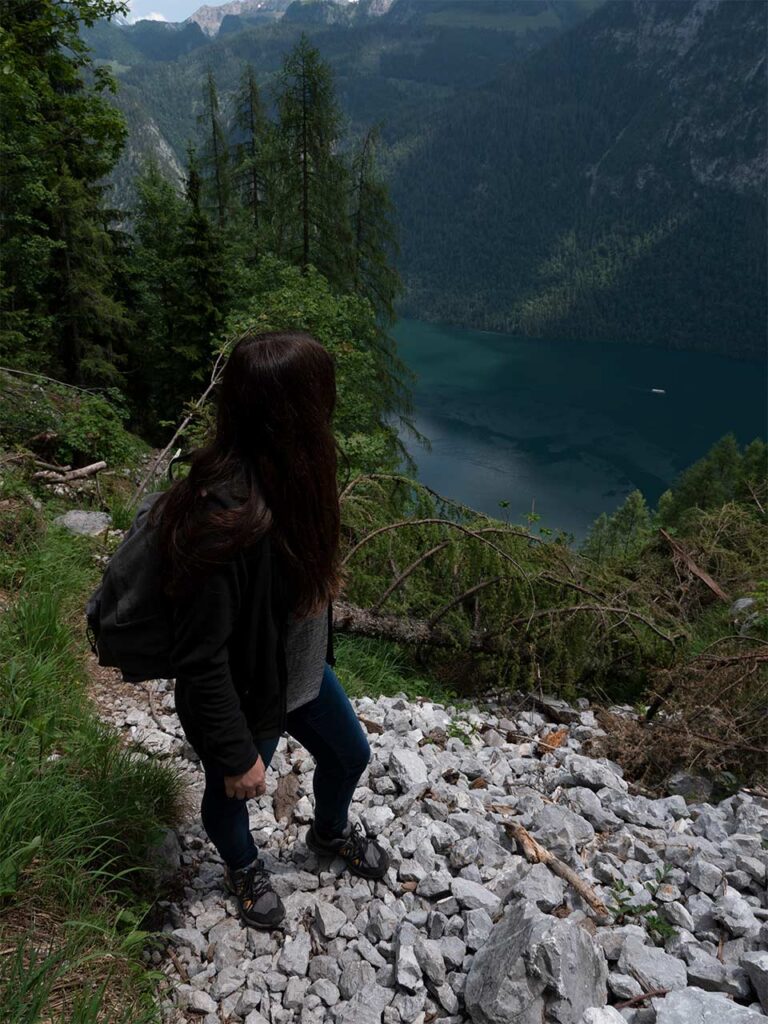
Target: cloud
132,17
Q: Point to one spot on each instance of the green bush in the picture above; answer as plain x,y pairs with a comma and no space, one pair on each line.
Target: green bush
64,424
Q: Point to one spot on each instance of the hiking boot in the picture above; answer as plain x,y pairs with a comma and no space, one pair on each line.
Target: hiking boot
362,853
257,902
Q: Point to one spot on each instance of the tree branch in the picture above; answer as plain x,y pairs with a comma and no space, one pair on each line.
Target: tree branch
153,471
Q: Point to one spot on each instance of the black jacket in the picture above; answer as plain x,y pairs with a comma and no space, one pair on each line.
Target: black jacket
228,656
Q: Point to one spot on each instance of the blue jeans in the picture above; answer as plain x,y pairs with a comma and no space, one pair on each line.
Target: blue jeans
329,729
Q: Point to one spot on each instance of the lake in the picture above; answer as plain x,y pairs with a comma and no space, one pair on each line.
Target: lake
567,429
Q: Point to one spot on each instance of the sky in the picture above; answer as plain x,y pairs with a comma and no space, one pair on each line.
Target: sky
168,10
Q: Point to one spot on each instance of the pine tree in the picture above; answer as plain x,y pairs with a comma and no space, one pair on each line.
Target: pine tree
214,162
373,274
158,292
630,526
92,324
374,241
251,150
204,295
311,223
60,138
754,472
180,282
708,483
597,545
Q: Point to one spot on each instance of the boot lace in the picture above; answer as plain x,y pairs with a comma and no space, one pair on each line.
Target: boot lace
252,882
355,844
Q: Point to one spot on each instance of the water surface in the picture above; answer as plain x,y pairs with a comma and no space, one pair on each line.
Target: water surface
567,429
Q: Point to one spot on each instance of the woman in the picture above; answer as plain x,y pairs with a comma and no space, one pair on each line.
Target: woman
249,545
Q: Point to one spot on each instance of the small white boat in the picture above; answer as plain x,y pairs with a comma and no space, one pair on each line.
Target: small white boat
658,391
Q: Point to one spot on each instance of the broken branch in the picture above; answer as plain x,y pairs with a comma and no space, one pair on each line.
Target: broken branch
696,570
74,474
535,853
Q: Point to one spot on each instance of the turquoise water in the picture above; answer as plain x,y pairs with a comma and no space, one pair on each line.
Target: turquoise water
567,429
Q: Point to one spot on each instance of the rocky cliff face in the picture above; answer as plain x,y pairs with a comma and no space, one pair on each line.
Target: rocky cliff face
210,18
704,63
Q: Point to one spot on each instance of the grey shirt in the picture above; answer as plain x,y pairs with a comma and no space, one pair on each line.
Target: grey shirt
306,644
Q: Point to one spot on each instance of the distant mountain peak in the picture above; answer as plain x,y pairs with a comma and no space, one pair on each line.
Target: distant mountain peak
210,18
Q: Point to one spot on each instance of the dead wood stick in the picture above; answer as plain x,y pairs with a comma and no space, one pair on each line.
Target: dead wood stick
84,471
53,466
436,521
402,629
29,456
418,485
152,705
183,974
535,853
45,436
757,500
73,474
756,791
717,741
407,572
692,567
549,577
732,659
643,996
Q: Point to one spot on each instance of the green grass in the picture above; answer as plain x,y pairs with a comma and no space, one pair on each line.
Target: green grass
378,668
78,811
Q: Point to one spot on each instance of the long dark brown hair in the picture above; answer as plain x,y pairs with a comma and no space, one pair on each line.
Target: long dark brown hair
274,446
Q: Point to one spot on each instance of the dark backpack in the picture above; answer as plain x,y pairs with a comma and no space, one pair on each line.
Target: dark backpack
129,624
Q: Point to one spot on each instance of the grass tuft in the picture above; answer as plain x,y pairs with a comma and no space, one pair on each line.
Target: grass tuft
78,811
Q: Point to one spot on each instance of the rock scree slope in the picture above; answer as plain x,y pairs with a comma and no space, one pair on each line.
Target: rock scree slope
464,929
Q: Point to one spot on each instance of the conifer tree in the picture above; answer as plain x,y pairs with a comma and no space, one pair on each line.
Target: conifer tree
621,535
754,471
630,526
374,241
214,166
59,140
91,322
597,543
311,220
252,129
158,293
709,483
203,299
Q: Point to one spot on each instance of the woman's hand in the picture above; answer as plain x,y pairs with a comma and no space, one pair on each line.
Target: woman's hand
249,784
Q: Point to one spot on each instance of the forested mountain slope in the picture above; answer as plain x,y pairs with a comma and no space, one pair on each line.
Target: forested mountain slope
612,187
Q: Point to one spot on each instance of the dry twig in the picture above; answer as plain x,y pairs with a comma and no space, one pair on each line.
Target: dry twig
535,853
692,567
69,476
